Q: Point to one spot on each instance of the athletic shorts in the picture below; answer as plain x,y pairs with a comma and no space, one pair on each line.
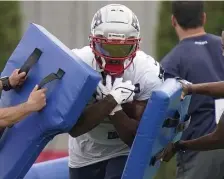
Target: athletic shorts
109,169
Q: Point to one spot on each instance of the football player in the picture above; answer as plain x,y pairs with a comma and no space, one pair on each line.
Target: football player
100,141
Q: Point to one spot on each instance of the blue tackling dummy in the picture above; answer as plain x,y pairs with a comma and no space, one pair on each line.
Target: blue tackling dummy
163,121
70,84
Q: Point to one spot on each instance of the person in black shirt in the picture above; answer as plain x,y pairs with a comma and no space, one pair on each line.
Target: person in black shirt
197,58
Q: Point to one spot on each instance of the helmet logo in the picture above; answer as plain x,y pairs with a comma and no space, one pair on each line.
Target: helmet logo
97,20
116,36
135,23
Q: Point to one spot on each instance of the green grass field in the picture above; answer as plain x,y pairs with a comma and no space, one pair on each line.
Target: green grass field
167,170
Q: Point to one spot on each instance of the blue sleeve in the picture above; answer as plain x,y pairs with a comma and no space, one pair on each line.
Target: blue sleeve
171,66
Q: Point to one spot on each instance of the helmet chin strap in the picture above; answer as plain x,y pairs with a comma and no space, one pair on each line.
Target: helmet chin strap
104,78
103,67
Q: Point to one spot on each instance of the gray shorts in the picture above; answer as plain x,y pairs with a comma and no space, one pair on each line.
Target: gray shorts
204,165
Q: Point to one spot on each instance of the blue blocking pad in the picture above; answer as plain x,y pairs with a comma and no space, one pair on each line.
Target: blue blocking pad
67,96
53,169
157,128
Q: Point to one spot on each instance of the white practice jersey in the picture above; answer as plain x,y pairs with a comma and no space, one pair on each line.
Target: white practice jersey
99,144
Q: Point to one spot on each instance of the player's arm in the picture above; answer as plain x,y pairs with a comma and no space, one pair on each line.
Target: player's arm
126,121
214,89
93,115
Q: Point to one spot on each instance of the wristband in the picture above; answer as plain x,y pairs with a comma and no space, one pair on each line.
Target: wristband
6,86
178,147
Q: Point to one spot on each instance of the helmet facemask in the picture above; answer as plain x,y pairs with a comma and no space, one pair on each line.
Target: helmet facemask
114,55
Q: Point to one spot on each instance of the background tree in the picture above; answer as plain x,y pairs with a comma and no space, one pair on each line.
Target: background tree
10,29
166,37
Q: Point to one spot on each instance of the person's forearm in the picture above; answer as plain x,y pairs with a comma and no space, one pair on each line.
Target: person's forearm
215,89
205,143
125,126
212,141
12,115
93,115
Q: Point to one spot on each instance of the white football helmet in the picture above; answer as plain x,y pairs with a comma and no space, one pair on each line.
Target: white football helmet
115,38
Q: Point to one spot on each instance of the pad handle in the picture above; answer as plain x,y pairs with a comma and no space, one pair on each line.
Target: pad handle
51,77
172,122
176,122
32,59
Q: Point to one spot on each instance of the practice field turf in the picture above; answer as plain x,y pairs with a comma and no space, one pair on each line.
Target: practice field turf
167,170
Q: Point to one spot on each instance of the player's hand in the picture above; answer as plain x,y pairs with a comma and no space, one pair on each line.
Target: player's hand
122,92
104,90
16,78
37,99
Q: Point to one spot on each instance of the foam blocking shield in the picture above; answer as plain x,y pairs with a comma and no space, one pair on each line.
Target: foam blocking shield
163,121
70,84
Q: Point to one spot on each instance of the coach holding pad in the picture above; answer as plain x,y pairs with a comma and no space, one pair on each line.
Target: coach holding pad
35,102
211,141
197,58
